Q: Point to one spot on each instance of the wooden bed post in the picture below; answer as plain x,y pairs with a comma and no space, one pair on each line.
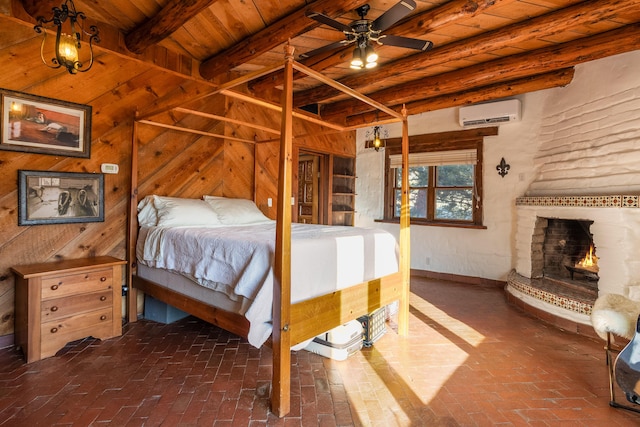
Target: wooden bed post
405,246
281,382
132,294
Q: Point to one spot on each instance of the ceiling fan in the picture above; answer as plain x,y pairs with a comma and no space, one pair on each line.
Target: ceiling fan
363,32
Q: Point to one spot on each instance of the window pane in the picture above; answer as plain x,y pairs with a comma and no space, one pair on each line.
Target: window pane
418,176
454,176
417,203
454,204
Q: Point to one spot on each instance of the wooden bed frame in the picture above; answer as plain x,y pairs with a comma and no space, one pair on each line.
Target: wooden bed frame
292,323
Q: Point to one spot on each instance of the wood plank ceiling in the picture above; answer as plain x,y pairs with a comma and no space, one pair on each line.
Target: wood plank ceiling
483,49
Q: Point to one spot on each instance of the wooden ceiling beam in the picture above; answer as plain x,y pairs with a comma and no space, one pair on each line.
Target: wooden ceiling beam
421,23
550,80
160,26
272,36
620,40
544,26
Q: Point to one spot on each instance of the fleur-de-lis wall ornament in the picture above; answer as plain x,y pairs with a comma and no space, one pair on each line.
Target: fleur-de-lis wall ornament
503,168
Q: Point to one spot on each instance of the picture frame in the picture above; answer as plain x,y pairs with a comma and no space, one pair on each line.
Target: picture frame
59,197
35,124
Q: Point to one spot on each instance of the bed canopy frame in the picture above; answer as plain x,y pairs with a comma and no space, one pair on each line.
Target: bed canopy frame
292,323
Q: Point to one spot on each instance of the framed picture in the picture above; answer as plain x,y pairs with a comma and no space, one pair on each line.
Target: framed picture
59,197
35,124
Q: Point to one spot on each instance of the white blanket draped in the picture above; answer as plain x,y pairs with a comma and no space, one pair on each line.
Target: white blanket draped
238,261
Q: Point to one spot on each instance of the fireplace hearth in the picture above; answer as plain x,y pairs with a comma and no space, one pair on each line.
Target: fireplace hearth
552,283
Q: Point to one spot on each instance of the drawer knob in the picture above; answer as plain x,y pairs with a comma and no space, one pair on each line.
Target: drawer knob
54,287
54,330
103,279
103,317
103,298
54,308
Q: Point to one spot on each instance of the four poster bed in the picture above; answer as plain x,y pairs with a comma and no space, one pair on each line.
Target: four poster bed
292,317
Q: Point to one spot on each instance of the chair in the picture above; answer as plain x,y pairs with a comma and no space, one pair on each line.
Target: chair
616,315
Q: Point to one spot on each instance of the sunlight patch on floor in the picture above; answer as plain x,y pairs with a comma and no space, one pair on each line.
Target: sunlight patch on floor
387,372
459,329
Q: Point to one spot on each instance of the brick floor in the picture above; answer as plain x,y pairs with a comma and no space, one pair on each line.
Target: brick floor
470,360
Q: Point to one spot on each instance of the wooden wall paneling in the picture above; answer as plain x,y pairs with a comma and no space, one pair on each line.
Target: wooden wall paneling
167,167
170,164
317,138
239,170
84,87
119,103
242,163
266,177
7,298
20,46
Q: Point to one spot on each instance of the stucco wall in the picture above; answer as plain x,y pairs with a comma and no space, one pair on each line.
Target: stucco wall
590,132
490,253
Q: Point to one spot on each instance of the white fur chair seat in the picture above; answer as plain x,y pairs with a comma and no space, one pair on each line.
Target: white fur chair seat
616,314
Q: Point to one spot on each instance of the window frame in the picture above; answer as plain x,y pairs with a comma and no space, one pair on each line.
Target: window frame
446,141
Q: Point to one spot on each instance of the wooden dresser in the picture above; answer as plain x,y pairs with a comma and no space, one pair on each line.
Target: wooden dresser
65,301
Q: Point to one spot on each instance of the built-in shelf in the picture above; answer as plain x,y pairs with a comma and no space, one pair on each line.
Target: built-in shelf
343,186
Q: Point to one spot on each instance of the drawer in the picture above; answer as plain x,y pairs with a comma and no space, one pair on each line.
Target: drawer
57,333
88,281
62,307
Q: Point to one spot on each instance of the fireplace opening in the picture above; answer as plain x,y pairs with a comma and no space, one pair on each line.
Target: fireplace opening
564,257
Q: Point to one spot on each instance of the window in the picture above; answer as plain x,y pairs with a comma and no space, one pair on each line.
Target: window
445,179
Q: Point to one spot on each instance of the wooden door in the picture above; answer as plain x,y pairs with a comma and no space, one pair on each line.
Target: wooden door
308,188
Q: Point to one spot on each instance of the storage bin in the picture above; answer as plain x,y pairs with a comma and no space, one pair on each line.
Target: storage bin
161,312
338,343
374,326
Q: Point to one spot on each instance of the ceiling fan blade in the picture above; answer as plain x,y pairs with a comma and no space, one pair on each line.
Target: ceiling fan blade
399,41
393,15
326,48
324,19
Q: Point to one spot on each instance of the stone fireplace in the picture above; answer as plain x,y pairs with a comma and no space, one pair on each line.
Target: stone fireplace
563,254
554,232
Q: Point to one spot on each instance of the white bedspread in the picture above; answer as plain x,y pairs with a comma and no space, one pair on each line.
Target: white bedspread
238,260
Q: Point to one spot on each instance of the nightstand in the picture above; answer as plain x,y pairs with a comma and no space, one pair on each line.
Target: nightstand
65,301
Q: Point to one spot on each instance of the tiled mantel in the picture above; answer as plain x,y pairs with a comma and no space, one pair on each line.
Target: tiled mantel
617,201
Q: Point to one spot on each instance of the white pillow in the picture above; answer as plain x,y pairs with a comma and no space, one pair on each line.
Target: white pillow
236,211
174,211
147,213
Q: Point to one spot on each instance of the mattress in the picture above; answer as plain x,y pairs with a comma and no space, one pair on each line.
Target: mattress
236,261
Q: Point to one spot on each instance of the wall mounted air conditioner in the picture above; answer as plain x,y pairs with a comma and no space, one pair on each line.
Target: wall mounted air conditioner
490,114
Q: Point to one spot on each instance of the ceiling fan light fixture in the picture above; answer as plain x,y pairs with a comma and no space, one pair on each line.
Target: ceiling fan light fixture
365,32
358,59
370,55
364,57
